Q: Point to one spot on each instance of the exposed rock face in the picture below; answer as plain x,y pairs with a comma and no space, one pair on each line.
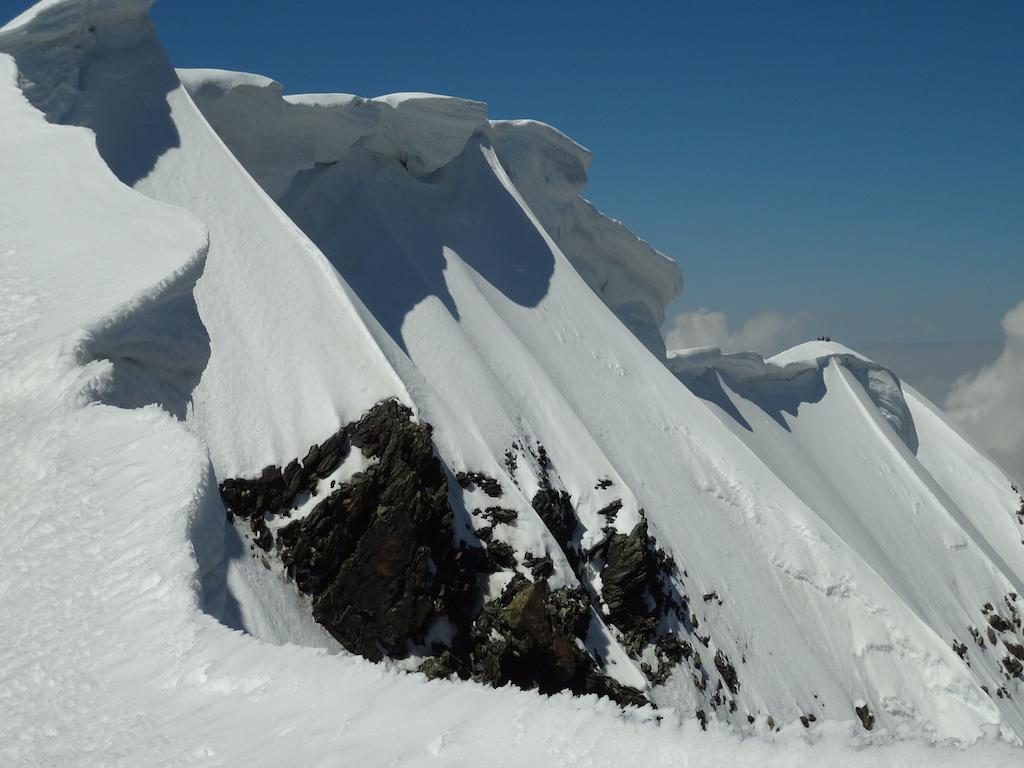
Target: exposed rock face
471,480
727,671
529,637
999,624
633,586
555,509
867,719
379,558
367,552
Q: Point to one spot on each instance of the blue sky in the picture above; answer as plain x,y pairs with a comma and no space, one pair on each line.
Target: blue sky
860,162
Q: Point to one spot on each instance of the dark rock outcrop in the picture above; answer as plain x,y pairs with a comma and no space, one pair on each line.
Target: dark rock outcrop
1014,667
528,637
999,624
501,556
368,552
540,567
867,719
634,586
498,515
727,671
380,560
472,480
610,511
555,509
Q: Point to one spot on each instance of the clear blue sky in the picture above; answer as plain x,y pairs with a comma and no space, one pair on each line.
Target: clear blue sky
860,161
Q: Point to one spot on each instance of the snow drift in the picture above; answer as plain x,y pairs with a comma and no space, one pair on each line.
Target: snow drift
815,540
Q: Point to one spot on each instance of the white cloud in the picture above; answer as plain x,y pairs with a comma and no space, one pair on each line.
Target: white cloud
766,332
989,404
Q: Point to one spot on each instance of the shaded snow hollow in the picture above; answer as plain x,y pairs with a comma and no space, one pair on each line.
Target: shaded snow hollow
166,325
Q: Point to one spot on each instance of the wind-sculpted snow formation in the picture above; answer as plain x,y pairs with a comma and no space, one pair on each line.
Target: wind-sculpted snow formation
418,368
291,145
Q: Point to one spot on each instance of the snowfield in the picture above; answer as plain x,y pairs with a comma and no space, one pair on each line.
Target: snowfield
200,277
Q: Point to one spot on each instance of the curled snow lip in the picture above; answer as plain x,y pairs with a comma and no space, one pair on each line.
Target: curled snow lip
121,95
52,19
303,149
392,190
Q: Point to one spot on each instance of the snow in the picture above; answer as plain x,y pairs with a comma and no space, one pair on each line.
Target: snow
167,325
632,278
277,137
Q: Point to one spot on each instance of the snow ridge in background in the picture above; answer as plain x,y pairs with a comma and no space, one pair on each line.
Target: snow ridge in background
845,574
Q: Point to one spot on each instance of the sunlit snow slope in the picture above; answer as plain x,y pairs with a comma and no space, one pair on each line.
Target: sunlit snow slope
293,260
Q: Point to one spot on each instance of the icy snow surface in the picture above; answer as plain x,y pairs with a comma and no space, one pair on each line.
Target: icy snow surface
155,340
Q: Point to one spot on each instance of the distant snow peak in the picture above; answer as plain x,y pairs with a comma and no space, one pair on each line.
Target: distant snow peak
782,383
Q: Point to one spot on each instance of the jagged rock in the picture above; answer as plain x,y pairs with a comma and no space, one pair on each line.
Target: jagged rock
332,453
459,599
261,534
976,635
670,648
727,671
1016,650
611,511
624,577
603,484
292,478
867,719
499,515
501,555
253,497
999,624
366,553
378,558
472,480
541,567
528,635
555,509
441,666
670,653
1014,667
511,461
274,491
543,461
635,587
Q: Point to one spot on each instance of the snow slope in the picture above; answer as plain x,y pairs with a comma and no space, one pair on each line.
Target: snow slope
279,137
352,250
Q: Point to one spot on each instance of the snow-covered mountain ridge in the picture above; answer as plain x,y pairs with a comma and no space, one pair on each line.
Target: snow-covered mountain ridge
798,540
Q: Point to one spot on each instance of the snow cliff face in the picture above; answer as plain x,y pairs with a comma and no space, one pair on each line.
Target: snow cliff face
797,540
286,142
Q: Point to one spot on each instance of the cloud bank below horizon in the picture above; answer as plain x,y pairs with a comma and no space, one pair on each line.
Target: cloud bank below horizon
767,332
989,404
